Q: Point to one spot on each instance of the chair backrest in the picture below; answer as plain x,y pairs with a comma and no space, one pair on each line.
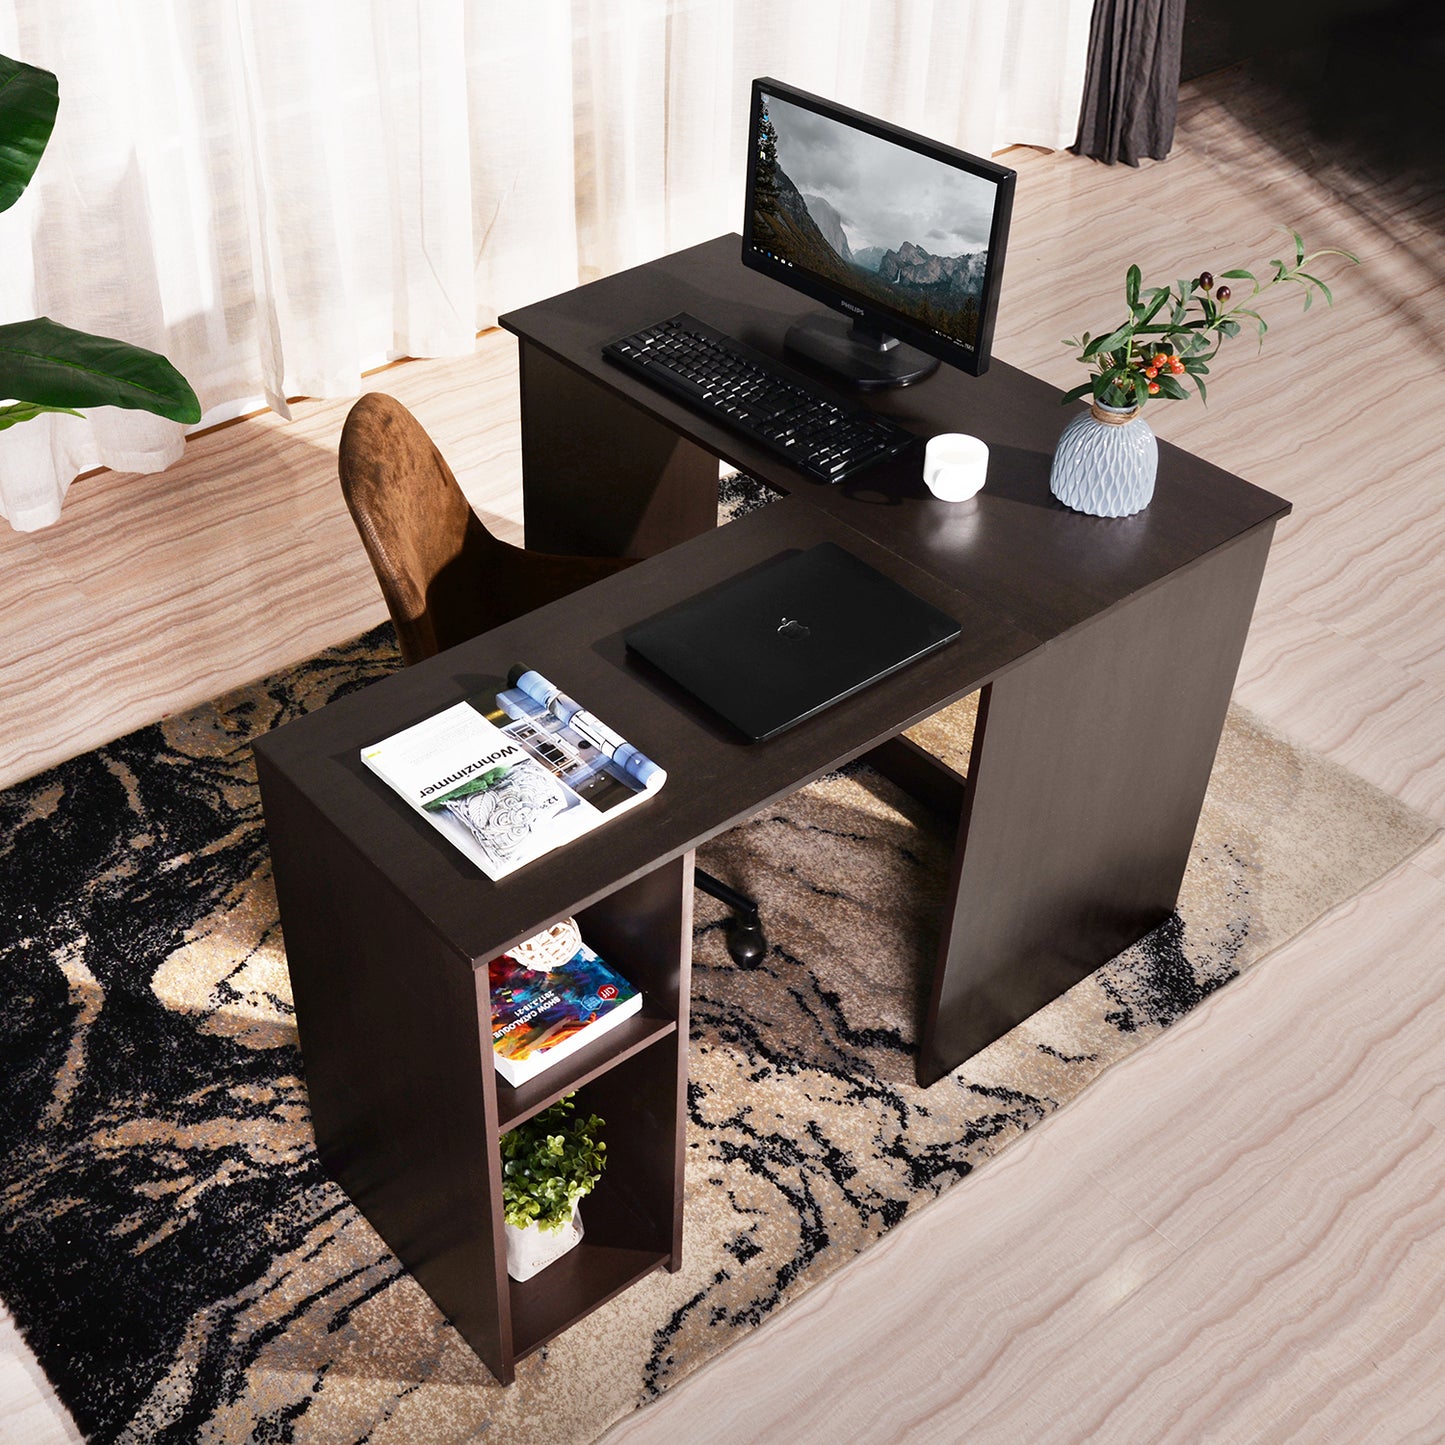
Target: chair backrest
444,576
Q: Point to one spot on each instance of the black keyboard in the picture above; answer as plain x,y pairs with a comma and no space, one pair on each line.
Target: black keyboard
758,397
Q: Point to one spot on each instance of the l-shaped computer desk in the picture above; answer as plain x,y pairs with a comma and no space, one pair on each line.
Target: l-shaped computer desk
1104,652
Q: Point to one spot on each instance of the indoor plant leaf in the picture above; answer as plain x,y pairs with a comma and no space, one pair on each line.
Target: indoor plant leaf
27,411
1112,342
42,361
548,1163
29,98
1157,298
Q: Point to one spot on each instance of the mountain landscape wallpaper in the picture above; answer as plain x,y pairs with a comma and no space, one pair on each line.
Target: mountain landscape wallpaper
896,227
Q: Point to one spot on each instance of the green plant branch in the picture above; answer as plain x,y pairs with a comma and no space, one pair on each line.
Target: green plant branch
1148,358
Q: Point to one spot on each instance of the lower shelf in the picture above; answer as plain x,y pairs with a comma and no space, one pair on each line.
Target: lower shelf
609,1258
572,1287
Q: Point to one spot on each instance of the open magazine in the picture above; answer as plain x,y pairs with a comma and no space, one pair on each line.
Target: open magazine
508,777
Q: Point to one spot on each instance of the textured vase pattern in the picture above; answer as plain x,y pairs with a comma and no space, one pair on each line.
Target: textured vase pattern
1105,467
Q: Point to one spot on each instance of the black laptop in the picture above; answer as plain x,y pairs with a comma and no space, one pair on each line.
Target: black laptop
779,643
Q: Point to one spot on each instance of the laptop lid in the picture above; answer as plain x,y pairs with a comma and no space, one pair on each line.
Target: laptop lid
781,642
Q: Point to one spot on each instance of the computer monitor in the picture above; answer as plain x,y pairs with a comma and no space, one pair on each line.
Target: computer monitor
902,235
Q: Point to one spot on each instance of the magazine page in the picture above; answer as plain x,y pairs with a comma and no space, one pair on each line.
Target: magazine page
581,751
512,775
480,788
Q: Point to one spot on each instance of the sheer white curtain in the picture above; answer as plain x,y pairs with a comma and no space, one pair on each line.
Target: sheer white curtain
278,196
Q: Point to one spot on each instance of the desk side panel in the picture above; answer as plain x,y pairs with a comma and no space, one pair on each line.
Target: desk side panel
402,1101
1091,759
603,477
647,927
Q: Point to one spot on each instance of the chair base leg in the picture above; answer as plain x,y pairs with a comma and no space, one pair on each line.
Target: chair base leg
746,943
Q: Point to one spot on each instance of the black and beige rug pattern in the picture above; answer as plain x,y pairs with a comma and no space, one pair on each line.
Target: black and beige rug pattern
184,1271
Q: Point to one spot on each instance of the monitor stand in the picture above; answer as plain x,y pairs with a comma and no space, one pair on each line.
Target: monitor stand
858,355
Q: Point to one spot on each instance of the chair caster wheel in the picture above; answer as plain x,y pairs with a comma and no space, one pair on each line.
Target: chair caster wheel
746,944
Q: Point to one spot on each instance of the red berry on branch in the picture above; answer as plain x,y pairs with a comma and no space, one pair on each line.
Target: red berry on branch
1153,388
1222,294
1151,372
1205,280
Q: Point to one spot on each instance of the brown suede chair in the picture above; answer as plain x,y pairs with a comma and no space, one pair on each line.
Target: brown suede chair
444,576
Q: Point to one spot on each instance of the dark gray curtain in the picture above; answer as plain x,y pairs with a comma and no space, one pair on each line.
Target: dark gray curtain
1131,87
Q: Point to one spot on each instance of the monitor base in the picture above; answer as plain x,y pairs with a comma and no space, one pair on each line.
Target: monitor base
856,355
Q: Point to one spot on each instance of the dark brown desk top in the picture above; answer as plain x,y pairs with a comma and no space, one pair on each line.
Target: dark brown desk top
1045,566
1014,566
714,780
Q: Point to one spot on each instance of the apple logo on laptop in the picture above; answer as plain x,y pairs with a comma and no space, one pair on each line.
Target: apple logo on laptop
793,630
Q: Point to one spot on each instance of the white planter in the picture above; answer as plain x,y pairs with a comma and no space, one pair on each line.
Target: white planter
1105,462
533,1248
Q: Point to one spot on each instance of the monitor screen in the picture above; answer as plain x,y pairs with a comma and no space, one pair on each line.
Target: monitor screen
902,235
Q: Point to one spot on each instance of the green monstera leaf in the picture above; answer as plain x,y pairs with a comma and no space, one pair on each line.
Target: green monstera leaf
29,99
45,366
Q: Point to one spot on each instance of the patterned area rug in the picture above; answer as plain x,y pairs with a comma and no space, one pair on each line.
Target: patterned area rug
184,1271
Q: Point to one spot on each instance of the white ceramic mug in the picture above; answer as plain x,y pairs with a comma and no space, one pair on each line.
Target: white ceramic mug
955,466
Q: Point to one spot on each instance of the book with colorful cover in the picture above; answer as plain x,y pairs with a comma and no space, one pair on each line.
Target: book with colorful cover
513,774
542,1016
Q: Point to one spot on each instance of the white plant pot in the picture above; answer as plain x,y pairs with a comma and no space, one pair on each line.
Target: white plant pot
532,1249
1105,462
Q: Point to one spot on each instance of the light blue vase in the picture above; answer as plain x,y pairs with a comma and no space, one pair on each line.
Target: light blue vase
1105,462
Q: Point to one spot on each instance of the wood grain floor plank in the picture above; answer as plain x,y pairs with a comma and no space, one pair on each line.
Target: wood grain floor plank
1342,1258
29,1412
1343,700
984,1332
1264,1139
1344,1043
153,593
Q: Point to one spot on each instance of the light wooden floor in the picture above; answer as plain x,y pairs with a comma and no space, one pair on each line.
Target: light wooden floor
1239,1233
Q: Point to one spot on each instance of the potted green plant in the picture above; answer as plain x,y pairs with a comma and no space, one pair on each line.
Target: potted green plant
45,366
550,1162
1107,457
